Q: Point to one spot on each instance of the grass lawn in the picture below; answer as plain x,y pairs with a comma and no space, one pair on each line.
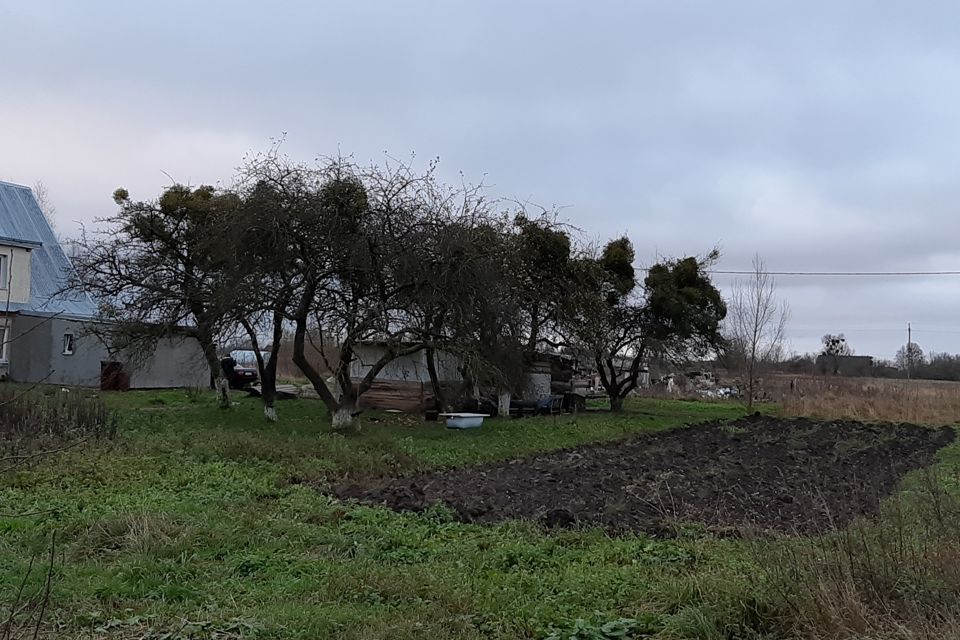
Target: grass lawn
201,523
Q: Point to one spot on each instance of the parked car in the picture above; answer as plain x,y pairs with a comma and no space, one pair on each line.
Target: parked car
238,377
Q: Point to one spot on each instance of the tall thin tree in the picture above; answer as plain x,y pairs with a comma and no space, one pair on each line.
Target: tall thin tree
757,323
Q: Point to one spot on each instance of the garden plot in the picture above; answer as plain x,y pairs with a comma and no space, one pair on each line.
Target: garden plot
792,476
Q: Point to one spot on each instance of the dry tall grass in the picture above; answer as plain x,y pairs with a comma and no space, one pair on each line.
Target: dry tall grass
34,422
872,399
895,577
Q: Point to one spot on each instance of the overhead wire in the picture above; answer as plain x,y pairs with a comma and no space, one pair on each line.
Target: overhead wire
735,272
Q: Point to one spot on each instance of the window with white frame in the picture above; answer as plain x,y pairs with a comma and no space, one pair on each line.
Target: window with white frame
4,270
3,344
68,344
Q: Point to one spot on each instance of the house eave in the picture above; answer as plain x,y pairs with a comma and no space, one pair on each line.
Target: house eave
19,243
51,315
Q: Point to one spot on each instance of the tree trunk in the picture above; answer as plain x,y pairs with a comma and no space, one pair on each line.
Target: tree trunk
534,329
216,371
268,391
616,403
503,406
223,392
316,380
268,369
608,378
299,356
269,384
439,402
269,412
351,391
342,418
470,389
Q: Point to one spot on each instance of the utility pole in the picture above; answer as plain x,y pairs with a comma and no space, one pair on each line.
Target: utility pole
909,350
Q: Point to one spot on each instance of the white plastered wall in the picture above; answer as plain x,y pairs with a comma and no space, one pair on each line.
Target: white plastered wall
16,286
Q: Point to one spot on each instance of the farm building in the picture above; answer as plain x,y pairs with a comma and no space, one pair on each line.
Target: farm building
845,365
404,383
409,368
44,334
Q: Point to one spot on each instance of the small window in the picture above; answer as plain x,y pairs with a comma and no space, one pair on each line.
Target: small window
4,271
68,344
3,344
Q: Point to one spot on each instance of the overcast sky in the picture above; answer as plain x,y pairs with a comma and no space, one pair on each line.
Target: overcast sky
824,135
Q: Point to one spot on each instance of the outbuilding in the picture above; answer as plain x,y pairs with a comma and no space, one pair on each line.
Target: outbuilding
45,334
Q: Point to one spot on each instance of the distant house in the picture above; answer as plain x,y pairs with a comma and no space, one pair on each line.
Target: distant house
44,334
845,365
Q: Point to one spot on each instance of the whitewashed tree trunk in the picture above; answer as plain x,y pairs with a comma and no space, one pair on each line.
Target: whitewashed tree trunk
503,406
270,413
223,393
342,418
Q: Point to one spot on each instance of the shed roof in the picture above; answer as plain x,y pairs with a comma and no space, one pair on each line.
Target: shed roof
23,224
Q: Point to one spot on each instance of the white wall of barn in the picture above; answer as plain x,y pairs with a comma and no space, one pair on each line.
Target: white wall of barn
37,354
408,368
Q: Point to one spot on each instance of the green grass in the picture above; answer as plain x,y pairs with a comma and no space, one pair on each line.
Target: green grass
214,518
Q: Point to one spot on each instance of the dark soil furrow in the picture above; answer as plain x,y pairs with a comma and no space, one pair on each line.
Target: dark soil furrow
760,472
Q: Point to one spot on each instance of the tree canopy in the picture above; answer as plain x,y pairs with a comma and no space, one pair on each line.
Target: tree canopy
336,256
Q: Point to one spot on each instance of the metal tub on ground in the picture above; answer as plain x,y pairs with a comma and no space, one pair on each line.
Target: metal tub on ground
464,420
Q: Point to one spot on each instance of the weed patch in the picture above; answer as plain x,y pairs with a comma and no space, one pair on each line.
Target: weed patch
896,576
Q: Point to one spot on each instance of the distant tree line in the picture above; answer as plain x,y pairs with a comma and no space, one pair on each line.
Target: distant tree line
909,362
932,366
337,254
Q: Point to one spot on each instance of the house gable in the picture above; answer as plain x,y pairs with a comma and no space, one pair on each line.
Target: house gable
38,268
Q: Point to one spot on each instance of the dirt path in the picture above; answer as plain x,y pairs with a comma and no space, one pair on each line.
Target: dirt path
787,475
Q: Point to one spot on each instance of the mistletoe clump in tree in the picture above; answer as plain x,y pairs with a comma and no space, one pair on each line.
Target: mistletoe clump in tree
674,313
155,268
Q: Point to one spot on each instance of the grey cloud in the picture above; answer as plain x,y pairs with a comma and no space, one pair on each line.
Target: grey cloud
821,134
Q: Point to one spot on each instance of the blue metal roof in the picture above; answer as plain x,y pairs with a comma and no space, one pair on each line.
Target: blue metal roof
22,223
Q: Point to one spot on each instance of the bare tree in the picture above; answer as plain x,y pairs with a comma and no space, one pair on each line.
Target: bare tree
757,322
42,196
909,358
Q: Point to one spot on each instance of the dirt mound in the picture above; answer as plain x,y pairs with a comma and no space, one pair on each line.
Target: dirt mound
787,475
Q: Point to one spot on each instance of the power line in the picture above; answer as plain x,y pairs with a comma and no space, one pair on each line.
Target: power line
835,273
815,327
